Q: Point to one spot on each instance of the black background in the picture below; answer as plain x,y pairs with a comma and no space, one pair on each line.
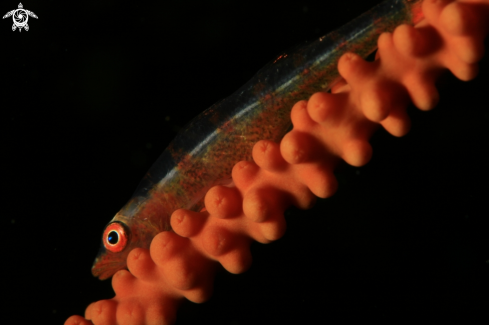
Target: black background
94,92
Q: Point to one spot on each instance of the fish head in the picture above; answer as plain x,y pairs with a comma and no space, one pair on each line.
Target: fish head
121,236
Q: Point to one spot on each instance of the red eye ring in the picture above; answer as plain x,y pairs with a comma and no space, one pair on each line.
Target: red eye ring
115,237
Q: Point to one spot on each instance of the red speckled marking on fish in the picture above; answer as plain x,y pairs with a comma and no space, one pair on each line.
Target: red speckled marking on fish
204,153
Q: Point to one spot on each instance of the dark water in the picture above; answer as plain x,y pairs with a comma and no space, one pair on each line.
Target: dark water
93,93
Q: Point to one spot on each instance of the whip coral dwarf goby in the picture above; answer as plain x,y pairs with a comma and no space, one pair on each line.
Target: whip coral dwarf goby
203,154
229,176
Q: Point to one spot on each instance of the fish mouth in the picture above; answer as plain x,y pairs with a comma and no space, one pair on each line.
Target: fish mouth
106,264
140,234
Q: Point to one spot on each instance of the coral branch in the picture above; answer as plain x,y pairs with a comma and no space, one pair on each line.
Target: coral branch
328,127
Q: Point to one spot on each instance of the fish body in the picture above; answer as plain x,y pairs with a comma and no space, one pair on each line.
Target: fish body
205,151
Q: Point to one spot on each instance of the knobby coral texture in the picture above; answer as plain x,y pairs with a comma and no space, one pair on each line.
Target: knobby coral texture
328,130
403,237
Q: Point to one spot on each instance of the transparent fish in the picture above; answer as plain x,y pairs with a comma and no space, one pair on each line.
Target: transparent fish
205,151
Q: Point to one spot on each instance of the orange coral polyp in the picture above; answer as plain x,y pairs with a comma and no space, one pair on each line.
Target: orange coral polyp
326,128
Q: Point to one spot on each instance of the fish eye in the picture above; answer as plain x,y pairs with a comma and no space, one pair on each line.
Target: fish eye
115,237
